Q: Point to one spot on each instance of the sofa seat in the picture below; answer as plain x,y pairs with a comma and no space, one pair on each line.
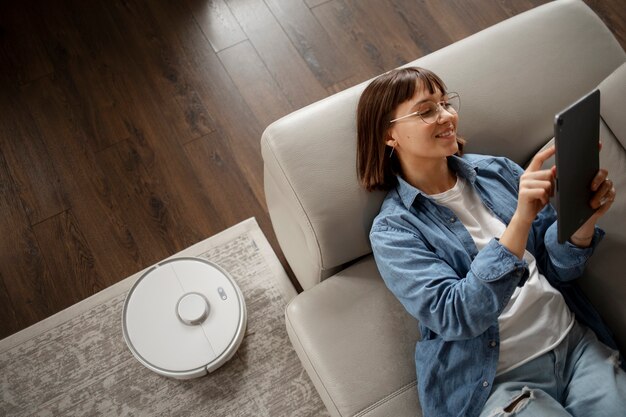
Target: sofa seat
349,319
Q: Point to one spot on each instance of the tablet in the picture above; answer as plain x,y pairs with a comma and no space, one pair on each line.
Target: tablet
576,132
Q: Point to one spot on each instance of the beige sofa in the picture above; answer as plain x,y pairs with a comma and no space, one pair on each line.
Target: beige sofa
353,338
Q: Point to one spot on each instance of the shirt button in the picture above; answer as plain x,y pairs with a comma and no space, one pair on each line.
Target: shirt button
452,219
485,384
492,343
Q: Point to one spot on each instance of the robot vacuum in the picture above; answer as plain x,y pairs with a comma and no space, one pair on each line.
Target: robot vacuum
184,318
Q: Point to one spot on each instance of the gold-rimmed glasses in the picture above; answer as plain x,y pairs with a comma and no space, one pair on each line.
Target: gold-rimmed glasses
429,110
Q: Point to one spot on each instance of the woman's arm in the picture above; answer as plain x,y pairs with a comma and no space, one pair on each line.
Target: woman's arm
536,186
454,306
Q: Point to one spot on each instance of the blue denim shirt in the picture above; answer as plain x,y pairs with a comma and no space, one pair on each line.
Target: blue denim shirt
428,259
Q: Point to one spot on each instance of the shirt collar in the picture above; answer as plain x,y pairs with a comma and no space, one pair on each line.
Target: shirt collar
460,166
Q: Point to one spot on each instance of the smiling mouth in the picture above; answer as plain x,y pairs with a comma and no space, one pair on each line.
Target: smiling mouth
446,133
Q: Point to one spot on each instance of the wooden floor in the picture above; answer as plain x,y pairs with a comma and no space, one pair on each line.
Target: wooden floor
129,129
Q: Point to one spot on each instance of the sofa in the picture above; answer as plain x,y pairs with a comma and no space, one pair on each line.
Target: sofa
353,337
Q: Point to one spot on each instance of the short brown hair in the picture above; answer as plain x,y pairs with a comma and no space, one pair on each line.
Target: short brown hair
376,168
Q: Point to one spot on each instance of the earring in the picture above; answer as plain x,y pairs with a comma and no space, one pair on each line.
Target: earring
393,148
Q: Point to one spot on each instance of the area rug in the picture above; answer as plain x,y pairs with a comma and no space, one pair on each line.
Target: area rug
77,363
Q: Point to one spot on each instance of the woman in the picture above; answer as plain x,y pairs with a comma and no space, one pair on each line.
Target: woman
468,244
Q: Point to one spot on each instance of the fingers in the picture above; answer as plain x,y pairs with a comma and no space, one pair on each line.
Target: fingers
544,179
542,175
540,158
605,194
536,188
534,196
609,196
599,179
546,185
542,190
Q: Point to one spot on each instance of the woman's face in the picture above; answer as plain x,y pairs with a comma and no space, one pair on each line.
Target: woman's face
414,139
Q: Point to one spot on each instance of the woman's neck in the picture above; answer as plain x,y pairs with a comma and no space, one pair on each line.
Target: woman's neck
431,177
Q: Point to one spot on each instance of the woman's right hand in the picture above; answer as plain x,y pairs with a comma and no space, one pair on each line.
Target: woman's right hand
535,189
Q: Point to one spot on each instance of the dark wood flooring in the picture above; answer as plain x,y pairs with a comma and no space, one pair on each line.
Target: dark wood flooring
129,129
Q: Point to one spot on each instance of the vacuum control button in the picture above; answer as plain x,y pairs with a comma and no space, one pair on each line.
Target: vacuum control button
192,309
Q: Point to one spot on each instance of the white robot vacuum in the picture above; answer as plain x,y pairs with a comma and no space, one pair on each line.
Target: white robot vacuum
184,318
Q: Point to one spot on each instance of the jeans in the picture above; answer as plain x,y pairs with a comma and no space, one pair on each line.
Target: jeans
581,377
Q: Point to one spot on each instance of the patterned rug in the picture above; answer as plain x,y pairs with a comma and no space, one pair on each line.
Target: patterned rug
77,363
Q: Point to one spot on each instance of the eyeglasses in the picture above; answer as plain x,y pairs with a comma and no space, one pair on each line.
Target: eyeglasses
429,110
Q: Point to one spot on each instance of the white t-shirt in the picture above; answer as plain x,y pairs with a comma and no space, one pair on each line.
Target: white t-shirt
536,319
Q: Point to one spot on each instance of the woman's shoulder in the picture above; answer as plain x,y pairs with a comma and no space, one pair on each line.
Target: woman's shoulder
393,214
492,162
482,159
391,206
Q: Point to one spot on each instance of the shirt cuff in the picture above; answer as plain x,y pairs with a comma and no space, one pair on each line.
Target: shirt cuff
495,262
568,255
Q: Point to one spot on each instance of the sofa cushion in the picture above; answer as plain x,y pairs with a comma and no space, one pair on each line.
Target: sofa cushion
357,344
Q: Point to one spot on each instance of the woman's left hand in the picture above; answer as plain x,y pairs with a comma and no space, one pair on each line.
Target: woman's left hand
603,196
604,193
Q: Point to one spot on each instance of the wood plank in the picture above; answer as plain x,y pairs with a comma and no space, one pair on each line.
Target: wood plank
255,84
22,268
612,14
197,115
460,20
87,189
66,39
211,158
146,132
426,24
150,58
163,166
281,58
28,160
217,91
388,46
217,23
10,321
22,53
95,74
387,20
162,218
314,45
351,82
223,102
117,233
164,232
74,271
358,37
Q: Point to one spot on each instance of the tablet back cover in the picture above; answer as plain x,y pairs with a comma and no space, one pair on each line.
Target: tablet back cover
577,162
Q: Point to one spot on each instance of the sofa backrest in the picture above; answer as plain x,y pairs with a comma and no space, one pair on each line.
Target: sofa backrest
604,281
512,78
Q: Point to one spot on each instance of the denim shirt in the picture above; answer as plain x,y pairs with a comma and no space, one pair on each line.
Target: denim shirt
428,259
